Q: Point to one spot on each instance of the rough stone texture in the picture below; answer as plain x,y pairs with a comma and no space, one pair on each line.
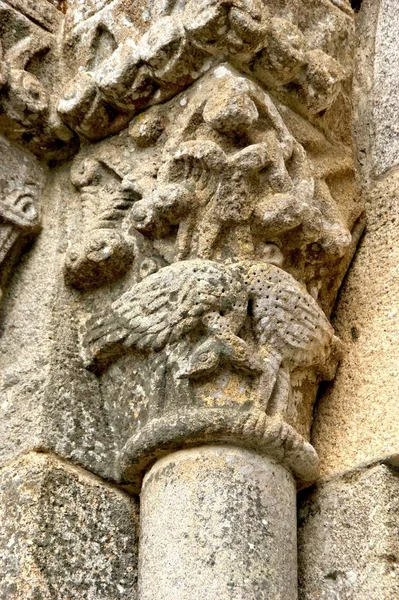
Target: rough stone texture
357,419
235,189
181,288
30,74
48,399
217,523
349,522
253,187
122,71
64,535
363,82
386,89
349,537
21,183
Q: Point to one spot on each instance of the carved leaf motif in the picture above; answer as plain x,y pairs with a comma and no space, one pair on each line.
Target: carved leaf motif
226,169
182,42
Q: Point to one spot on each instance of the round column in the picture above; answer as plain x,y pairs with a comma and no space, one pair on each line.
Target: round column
218,523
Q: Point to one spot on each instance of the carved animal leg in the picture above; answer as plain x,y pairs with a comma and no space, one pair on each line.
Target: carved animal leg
270,370
234,348
208,235
278,402
185,236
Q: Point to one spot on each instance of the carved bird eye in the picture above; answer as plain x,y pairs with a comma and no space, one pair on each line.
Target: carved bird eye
73,257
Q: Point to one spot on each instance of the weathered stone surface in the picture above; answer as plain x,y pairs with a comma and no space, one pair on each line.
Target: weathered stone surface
64,535
123,71
48,399
21,183
252,187
30,76
180,295
357,419
363,88
190,221
348,537
41,12
217,523
386,89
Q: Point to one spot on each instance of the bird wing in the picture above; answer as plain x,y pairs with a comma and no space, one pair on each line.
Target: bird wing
289,319
162,307
198,164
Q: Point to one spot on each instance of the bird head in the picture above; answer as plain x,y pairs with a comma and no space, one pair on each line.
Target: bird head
203,361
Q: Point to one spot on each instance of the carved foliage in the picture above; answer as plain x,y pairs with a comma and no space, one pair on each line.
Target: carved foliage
29,77
183,41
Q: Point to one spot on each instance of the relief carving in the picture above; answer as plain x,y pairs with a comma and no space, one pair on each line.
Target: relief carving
208,301
215,215
29,78
238,221
20,187
104,252
185,40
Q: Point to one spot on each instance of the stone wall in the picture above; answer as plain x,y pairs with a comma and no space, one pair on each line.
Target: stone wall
180,201
349,522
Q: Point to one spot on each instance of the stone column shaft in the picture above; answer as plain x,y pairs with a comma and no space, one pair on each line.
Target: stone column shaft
218,522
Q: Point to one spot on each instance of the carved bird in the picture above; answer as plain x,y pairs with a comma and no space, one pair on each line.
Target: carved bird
170,304
217,185
290,330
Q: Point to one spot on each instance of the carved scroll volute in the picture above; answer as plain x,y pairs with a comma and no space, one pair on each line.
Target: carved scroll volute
19,221
213,233
21,184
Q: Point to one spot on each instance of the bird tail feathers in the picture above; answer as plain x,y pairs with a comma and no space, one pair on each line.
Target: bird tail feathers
103,340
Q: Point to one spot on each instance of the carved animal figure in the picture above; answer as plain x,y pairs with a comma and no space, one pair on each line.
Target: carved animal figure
190,296
212,190
204,297
105,252
206,188
290,330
